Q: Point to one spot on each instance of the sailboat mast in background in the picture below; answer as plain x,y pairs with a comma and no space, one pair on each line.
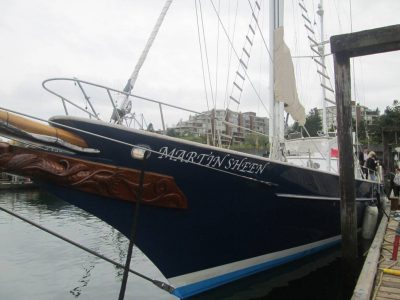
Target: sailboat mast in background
321,50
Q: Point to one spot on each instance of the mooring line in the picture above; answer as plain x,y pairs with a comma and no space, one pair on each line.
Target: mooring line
162,285
132,235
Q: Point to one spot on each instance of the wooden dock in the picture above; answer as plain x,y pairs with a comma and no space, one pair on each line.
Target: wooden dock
387,286
375,281
17,186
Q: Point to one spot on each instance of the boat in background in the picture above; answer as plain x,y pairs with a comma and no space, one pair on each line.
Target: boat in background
210,215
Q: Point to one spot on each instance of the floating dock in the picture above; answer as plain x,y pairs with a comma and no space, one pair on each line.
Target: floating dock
380,277
17,186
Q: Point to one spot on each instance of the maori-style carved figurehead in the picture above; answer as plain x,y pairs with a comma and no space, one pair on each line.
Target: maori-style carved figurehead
91,177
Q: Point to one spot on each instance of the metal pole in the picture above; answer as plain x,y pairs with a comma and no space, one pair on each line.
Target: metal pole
162,118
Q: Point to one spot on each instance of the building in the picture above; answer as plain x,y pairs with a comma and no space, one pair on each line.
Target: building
226,125
358,112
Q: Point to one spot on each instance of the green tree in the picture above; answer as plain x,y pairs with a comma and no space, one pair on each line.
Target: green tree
294,128
313,122
390,119
363,130
172,132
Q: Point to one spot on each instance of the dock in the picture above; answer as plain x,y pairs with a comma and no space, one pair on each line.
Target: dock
16,186
380,277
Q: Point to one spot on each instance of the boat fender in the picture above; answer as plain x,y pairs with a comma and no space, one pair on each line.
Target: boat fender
369,222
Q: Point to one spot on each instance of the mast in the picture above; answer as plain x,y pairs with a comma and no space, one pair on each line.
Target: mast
126,104
321,50
276,126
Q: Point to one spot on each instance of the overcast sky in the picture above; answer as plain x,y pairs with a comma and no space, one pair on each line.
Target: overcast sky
100,41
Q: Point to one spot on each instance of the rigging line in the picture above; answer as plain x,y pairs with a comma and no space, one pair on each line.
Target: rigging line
159,284
259,29
230,52
237,56
206,54
298,69
354,76
209,76
315,146
241,65
326,71
217,54
201,55
351,17
338,16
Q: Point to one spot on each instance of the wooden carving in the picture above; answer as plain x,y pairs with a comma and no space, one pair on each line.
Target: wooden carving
92,177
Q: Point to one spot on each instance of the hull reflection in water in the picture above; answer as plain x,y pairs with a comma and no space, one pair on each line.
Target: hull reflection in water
36,265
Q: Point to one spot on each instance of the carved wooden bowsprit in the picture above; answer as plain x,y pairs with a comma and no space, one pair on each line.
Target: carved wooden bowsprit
91,177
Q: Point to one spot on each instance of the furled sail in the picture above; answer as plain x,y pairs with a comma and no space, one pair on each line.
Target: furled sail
285,82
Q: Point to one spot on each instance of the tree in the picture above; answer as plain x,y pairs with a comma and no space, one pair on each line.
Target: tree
150,127
294,128
363,130
172,132
313,123
390,119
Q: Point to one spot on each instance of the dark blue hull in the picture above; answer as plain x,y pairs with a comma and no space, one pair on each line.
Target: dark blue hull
239,207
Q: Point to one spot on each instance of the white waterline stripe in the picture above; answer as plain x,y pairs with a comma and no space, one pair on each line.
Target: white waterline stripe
194,277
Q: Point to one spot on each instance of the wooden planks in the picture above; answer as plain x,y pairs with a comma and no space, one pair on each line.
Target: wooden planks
365,283
367,42
387,286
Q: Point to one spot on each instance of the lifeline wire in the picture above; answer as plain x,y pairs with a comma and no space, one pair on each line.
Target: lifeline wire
140,147
161,285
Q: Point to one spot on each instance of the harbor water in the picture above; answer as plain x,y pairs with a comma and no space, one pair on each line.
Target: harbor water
37,265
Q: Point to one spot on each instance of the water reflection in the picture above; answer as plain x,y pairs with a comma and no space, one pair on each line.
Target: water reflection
261,285
83,282
36,265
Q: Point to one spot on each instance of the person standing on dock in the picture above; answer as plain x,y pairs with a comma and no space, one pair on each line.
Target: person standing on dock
362,158
371,165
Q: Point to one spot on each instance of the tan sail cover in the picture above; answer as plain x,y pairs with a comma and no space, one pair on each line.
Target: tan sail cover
39,128
285,82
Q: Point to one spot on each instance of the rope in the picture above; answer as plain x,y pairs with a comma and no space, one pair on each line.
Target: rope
217,60
237,56
161,285
206,55
316,147
261,34
230,50
133,230
142,58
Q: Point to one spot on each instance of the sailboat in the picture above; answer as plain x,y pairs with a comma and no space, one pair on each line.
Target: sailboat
209,215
